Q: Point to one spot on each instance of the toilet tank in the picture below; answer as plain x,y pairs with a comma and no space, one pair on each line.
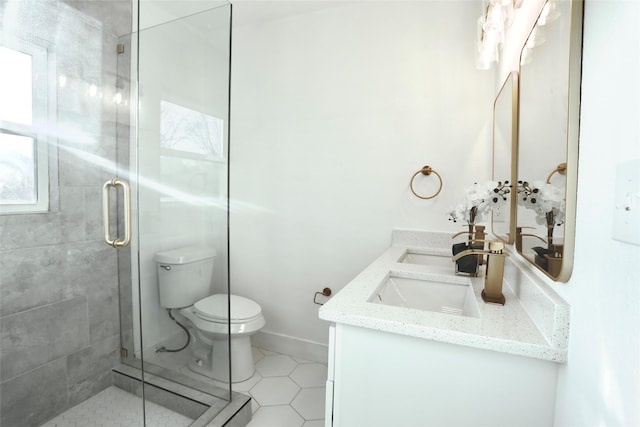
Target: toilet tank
184,275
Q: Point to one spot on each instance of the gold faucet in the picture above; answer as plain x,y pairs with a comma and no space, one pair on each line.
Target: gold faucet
494,275
520,235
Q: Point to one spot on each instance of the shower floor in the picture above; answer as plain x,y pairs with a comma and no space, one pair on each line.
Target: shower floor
115,407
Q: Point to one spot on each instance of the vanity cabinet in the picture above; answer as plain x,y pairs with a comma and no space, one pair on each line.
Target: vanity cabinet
382,379
398,366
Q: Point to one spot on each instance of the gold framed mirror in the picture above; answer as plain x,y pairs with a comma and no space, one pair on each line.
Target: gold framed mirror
549,112
505,156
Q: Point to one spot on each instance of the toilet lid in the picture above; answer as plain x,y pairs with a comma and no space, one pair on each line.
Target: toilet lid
214,307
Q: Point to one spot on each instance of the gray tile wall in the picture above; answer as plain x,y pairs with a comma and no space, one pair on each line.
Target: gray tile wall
59,314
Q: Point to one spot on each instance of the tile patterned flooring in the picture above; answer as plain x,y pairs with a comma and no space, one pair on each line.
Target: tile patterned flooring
114,407
286,391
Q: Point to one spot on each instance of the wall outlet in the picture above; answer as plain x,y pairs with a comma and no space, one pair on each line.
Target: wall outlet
626,215
499,214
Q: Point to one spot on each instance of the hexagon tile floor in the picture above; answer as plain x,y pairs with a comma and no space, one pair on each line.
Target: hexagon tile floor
287,391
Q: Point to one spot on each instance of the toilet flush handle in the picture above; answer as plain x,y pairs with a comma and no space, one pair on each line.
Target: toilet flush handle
166,267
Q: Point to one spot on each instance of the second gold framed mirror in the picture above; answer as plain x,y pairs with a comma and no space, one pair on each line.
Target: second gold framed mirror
505,156
549,111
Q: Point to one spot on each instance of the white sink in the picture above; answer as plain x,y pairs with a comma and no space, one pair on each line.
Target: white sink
413,257
438,293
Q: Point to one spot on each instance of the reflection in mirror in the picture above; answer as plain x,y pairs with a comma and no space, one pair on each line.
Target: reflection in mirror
548,138
505,149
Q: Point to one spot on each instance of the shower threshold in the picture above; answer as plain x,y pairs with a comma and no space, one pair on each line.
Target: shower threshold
205,404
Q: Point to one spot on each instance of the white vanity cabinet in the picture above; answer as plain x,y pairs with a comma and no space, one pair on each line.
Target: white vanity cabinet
397,366
382,379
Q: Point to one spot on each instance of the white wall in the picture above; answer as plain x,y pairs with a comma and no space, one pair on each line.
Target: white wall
324,144
600,386
310,131
601,383
332,112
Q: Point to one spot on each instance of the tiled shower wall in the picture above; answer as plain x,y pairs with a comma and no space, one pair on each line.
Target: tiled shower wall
59,315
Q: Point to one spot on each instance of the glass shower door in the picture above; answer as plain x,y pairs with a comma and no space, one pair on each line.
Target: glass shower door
73,308
180,196
59,281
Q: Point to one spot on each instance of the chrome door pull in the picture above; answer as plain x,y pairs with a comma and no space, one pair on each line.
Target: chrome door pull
117,242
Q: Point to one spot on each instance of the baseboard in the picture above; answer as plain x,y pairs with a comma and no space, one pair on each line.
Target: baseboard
304,349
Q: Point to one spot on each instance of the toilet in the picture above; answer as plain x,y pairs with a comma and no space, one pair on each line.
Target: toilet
184,281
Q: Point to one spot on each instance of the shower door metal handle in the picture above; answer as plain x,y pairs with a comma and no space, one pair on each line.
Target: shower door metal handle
117,242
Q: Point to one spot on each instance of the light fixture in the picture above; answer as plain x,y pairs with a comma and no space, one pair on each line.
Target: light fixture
549,13
498,15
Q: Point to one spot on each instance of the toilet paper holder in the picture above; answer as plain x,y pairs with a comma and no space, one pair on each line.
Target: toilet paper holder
325,292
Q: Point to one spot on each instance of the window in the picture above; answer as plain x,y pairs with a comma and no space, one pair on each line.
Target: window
190,133
24,171
191,153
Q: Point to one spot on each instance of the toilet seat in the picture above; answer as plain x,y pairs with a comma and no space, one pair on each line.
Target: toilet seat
209,316
214,309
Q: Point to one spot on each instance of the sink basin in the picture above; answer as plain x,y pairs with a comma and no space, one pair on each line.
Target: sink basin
411,257
440,294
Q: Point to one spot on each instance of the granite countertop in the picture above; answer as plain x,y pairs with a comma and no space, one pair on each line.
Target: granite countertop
534,321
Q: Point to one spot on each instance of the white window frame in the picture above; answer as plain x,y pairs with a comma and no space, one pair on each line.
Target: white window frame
40,94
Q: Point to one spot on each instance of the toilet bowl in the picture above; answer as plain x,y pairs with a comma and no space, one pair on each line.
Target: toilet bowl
184,280
210,346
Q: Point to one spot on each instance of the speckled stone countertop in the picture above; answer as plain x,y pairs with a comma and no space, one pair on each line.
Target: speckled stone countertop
534,321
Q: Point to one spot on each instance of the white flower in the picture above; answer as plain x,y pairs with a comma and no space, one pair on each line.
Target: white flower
460,213
543,198
479,199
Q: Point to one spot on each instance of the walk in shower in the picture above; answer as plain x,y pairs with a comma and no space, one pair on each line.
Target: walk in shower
114,146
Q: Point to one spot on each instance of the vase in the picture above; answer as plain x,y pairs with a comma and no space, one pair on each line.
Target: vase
550,225
473,212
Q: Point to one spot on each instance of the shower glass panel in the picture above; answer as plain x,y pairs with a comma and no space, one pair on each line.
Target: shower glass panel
180,192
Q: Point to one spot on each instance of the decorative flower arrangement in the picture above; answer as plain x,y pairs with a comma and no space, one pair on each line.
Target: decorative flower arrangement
545,199
479,199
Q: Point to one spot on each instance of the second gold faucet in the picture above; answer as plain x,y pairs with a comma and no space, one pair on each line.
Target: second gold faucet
494,273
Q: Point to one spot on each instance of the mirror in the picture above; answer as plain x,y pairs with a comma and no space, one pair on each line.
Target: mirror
505,149
550,73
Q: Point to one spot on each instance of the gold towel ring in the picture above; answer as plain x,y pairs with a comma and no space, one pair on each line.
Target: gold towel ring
561,169
426,170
